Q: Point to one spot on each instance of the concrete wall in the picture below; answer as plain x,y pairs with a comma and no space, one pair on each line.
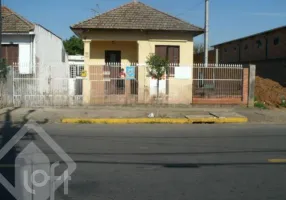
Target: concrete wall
49,47
51,61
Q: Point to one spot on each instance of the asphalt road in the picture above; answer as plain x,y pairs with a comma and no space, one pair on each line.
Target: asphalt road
170,162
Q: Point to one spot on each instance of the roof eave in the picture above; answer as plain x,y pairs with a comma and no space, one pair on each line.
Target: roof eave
174,30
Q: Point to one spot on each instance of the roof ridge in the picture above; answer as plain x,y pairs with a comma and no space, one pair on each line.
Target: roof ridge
150,17
18,16
104,13
168,14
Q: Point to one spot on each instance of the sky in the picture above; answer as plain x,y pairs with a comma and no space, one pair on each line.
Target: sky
229,19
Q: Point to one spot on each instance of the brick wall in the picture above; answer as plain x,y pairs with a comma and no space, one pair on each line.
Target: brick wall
245,85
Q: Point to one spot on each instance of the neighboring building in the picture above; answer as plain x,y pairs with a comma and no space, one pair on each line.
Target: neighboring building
200,57
129,34
267,50
263,46
27,45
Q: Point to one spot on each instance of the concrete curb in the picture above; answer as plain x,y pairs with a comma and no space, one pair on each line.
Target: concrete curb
153,120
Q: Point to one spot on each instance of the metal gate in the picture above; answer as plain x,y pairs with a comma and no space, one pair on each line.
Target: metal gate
43,86
109,87
217,81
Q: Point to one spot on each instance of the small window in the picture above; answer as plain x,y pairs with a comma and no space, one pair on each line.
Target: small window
246,47
276,41
258,43
225,50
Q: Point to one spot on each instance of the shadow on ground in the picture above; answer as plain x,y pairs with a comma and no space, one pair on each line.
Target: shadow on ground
7,163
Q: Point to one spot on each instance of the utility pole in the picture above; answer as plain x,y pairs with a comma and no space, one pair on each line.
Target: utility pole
206,33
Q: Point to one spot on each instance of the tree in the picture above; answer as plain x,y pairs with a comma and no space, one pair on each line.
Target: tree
157,67
4,70
74,46
199,48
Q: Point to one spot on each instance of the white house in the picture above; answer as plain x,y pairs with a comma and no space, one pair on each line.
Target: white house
40,74
29,45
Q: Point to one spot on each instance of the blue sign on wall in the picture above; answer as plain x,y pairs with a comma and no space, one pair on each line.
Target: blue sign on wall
130,72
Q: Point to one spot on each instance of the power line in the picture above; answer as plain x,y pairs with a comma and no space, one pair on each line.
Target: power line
192,8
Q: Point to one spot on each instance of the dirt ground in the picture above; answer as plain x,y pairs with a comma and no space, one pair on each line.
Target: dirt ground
269,92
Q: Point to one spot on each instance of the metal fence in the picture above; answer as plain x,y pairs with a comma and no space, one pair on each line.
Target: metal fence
217,81
110,83
44,85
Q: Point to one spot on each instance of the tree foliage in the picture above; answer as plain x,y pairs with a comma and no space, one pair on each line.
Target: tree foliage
74,46
4,70
157,67
199,48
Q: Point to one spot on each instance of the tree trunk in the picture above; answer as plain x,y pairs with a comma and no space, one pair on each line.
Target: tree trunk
157,91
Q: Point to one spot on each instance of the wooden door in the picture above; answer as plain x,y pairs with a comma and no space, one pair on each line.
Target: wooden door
10,52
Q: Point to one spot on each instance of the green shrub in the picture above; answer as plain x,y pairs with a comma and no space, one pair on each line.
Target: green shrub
283,102
260,105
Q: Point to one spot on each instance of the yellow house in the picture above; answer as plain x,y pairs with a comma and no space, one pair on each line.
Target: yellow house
129,34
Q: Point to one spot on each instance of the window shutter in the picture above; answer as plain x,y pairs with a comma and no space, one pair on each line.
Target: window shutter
10,53
161,51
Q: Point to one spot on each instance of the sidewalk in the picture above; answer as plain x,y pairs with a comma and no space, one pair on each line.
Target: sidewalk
55,115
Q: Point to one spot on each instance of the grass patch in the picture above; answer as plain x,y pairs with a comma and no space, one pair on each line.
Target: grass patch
260,105
283,104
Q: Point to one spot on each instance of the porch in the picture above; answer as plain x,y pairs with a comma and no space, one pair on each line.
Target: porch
104,61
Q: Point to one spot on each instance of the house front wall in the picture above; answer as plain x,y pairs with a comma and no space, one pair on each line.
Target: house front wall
145,44
128,51
136,46
26,46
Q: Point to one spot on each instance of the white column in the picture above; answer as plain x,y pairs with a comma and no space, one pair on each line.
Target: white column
86,80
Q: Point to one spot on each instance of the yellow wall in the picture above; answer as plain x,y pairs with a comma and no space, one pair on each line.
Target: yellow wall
128,51
136,46
145,48
129,35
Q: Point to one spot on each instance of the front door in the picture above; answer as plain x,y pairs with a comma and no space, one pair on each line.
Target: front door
113,65
112,56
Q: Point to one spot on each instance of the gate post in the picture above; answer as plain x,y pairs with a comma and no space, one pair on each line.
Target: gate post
248,85
251,86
